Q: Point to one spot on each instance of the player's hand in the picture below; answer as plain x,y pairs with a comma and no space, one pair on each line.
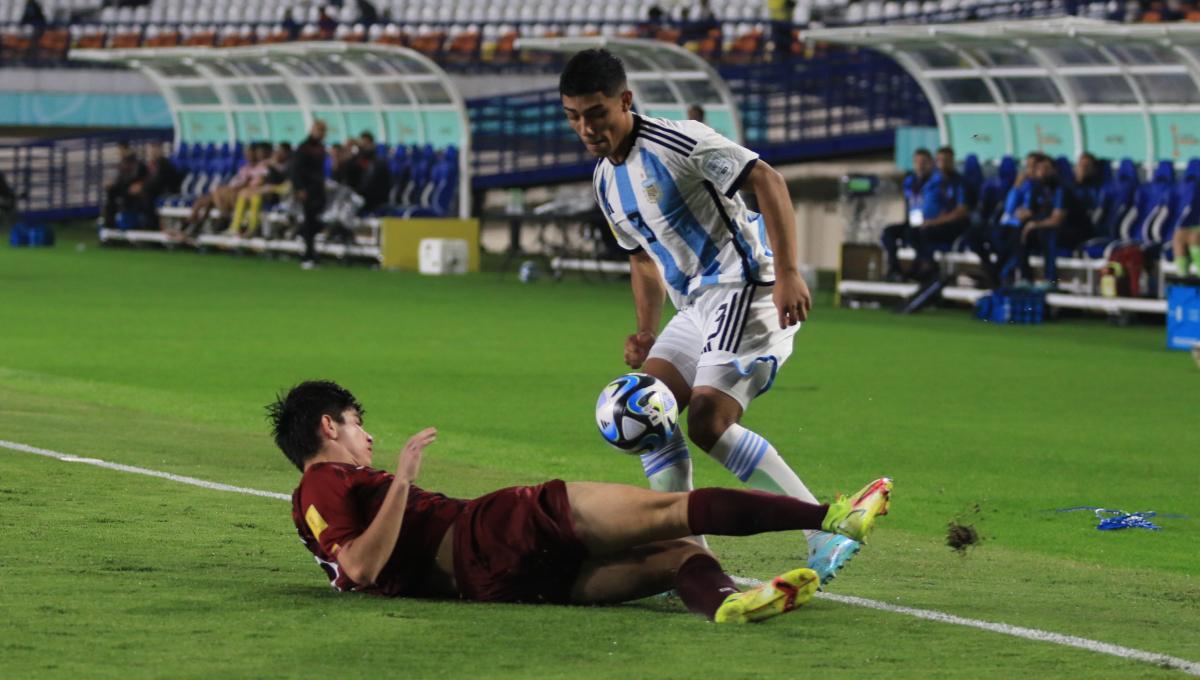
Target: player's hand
300,195
410,455
792,299
637,347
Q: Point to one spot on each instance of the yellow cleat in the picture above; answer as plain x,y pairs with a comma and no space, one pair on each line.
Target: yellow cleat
783,594
854,516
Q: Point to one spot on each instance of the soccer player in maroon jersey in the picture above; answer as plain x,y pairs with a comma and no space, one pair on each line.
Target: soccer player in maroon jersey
559,542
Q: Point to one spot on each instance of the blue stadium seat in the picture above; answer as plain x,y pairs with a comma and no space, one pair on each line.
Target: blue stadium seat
972,174
1185,197
1117,200
1066,171
426,182
1154,205
995,189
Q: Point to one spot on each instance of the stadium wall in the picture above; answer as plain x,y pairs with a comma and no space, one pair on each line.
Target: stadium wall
107,98
74,98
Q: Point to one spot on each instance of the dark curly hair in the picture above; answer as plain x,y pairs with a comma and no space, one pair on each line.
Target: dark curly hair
295,416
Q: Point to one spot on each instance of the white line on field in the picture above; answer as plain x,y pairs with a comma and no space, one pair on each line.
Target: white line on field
68,458
1161,660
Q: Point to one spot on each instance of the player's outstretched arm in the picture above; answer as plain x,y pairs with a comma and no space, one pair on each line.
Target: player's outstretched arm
363,558
792,299
648,295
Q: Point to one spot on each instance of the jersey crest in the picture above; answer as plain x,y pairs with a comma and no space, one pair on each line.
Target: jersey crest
652,191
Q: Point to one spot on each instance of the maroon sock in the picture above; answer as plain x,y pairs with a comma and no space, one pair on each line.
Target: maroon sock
734,512
702,585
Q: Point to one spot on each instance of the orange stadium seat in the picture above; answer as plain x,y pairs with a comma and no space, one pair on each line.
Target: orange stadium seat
54,43
126,37
505,48
429,44
709,47
165,38
92,39
205,37
391,35
671,35
746,47
15,42
463,47
279,35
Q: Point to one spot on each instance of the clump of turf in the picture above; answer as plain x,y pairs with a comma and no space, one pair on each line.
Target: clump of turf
961,536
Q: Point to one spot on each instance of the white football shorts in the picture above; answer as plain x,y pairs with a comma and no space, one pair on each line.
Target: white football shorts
727,337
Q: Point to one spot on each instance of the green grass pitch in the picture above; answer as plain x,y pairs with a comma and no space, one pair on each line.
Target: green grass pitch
165,360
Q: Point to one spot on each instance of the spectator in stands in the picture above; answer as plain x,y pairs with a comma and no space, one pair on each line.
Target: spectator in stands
945,213
225,195
656,19
162,178
1057,220
372,178
130,171
308,185
33,15
367,13
781,27
290,24
997,244
326,24
898,234
698,25
695,112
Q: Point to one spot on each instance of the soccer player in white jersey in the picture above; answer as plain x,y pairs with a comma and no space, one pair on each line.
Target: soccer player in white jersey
670,192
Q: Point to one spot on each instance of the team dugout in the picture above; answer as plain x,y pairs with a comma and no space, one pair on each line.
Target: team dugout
1060,87
231,96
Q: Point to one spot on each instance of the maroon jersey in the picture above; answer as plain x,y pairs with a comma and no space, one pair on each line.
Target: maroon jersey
336,502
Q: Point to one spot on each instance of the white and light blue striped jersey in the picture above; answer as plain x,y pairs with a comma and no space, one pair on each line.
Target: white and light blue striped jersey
675,197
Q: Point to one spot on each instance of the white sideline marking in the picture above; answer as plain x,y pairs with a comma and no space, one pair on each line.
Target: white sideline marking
1161,660
68,458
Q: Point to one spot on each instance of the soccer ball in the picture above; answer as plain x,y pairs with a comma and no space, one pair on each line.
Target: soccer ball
636,413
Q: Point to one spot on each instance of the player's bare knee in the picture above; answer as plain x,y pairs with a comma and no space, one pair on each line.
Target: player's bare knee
681,550
707,421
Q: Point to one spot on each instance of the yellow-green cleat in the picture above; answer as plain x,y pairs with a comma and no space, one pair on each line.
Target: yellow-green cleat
854,516
783,594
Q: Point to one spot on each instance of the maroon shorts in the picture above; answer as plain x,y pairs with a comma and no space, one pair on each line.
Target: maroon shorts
518,545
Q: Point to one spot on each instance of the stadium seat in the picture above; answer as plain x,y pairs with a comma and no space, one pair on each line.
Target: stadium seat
972,174
1116,201
1066,171
1153,204
53,44
995,189
1185,195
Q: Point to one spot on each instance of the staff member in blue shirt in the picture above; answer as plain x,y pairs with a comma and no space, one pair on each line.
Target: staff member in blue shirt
946,213
1001,239
899,234
1057,218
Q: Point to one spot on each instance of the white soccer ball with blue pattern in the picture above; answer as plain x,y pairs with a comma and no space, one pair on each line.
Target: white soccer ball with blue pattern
636,413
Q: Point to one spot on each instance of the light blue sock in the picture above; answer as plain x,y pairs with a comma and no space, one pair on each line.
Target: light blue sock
669,468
